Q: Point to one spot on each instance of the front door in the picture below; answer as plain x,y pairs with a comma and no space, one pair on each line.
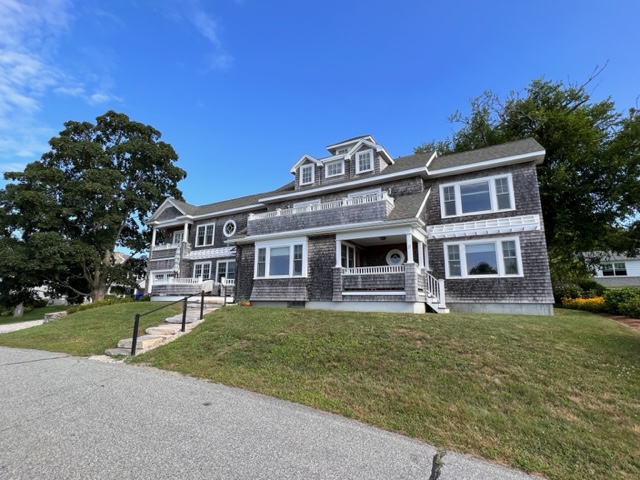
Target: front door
178,236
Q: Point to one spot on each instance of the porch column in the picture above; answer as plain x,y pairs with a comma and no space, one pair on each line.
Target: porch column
153,236
185,237
338,254
409,249
421,254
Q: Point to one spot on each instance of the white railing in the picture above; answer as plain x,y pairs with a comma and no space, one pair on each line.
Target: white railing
165,246
434,290
228,282
315,207
179,281
382,269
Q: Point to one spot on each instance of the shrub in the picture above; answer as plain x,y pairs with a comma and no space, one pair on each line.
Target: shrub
631,308
591,288
616,297
145,298
38,303
100,303
566,290
593,304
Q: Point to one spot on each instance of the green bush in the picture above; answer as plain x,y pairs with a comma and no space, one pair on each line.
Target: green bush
37,303
614,298
591,288
566,290
631,307
145,298
110,300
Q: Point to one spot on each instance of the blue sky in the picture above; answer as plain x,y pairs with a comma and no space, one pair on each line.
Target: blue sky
243,88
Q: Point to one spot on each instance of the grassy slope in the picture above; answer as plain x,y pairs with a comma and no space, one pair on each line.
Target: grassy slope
90,332
35,314
557,395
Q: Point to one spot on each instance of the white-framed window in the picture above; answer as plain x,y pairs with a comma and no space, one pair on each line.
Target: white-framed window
333,169
161,277
226,269
482,195
615,269
307,175
342,151
279,259
483,258
202,269
395,257
348,255
178,236
364,161
229,228
204,235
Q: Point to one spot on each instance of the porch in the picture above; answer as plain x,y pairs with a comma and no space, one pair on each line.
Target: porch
176,286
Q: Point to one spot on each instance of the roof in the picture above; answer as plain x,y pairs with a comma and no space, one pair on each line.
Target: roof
407,206
511,149
238,202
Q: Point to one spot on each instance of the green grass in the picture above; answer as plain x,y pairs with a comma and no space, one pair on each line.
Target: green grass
553,395
89,332
35,314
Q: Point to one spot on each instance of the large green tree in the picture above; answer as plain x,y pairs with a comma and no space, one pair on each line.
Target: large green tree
63,218
590,179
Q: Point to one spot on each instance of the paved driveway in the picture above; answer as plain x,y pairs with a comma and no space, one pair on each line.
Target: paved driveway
64,417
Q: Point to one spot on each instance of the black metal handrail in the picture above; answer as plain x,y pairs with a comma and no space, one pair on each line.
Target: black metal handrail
136,323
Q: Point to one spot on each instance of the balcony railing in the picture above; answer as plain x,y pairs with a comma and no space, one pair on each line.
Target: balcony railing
179,281
382,269
165,246
316,207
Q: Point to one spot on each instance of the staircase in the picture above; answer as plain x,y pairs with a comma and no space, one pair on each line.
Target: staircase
434,289
163,333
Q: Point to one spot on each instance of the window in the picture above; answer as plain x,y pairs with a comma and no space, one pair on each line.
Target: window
333,169
225,269
306,174
483,258
342,151
178,236
348,255
486,195
204,235
618,269
281,259
202,269
395,257
364,161
229,228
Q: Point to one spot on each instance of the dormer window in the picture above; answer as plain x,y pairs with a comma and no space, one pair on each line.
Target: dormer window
333,169
342,151
364,161
306,174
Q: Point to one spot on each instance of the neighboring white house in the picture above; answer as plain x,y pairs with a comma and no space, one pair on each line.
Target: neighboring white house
618,271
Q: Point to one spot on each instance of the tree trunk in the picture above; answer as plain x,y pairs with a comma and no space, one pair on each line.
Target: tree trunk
18,311
98,291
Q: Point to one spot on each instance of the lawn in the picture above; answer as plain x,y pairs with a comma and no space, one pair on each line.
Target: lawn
559,396
89,332
35,314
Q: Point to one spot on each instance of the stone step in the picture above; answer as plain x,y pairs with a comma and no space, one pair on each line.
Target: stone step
178,318
163,330
144,341
114,352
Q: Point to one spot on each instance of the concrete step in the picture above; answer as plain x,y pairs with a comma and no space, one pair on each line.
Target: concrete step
144,341
178,318
163,330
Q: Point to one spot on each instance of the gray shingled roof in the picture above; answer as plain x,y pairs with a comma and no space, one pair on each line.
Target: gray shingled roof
407,206
519,147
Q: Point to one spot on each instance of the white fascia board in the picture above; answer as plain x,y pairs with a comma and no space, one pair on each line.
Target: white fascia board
347,185
434,155
341,144
178,221
302,160
382,226
229,211
424,202
381,149
360,143
167,203
536,157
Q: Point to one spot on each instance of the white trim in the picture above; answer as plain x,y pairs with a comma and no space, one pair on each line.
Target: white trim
327,166
269,245
213,234
227,261
224,228
392,252
303,159
306,204
365,193
372,157
164,206
370,293
499,258
522,223
335,146
220,252
179,233
201,276
434,155
301,174
493,197
537,156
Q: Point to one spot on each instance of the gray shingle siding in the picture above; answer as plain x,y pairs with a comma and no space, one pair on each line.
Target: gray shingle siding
322,259
245,257
168,214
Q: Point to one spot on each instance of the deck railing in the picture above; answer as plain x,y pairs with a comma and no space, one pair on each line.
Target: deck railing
179,281
165,246
316,207
382,269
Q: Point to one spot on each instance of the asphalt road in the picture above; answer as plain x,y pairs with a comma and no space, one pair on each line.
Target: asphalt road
65,417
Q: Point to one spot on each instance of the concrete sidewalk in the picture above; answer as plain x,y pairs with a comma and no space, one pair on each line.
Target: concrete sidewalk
12,327
74,418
